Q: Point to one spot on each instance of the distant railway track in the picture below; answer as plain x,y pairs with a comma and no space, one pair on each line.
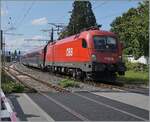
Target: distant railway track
13,71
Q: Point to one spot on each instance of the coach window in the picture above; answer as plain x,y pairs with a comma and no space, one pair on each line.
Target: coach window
84,44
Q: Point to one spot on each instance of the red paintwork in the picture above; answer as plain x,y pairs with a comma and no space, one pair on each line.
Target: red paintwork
56,51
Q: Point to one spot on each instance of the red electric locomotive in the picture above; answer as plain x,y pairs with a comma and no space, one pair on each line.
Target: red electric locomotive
90,54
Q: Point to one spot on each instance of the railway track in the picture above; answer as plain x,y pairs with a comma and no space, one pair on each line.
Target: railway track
36,84
93,83
112,86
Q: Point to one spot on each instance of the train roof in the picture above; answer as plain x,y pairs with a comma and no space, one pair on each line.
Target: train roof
92,32
100,32
35,50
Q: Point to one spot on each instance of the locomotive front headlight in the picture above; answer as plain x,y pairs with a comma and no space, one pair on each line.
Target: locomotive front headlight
93,57
120,58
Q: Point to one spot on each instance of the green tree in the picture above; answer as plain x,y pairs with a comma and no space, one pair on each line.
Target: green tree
82,17
15,53
19,52
132,28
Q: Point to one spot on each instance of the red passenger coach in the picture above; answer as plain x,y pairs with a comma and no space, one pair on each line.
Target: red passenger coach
90,54
34,58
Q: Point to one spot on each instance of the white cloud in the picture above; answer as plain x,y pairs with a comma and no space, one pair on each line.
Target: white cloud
40,21
3,12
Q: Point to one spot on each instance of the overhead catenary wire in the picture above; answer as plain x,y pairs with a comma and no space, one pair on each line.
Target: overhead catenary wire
20,14
6,5
110,15
25,15
93,8
10,22
100,5
14,34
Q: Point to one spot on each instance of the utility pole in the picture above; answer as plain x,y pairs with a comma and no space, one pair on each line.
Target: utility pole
52,34
51,31
2,49
1,57
1,39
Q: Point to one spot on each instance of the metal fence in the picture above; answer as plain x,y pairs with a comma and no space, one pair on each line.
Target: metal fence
6,113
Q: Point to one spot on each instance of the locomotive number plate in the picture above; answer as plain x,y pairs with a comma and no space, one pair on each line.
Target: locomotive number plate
109,58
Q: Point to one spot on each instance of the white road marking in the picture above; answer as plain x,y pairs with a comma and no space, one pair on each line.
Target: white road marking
49,119
108,106
66,108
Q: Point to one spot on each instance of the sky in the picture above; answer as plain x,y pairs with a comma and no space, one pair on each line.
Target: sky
29,17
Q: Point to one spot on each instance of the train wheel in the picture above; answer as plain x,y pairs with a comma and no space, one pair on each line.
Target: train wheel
111,76
114,76
79,74
53,69
87,76
74,74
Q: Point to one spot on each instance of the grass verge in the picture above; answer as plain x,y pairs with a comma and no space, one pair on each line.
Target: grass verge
135,77
9,85
68,83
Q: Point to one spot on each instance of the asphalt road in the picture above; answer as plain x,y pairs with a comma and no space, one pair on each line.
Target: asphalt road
86,106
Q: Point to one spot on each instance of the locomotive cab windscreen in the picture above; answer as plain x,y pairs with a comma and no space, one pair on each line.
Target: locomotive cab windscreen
105,43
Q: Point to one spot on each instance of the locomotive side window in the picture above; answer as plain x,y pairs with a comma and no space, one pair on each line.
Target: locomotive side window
84,44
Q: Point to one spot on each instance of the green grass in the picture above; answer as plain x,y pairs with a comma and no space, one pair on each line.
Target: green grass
9,85
68,83
135,77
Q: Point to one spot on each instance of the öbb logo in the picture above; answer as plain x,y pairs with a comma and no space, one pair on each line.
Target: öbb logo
69,52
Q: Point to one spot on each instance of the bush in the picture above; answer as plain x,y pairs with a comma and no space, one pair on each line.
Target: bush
18,88
11,86
7,88
68,83
137,66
